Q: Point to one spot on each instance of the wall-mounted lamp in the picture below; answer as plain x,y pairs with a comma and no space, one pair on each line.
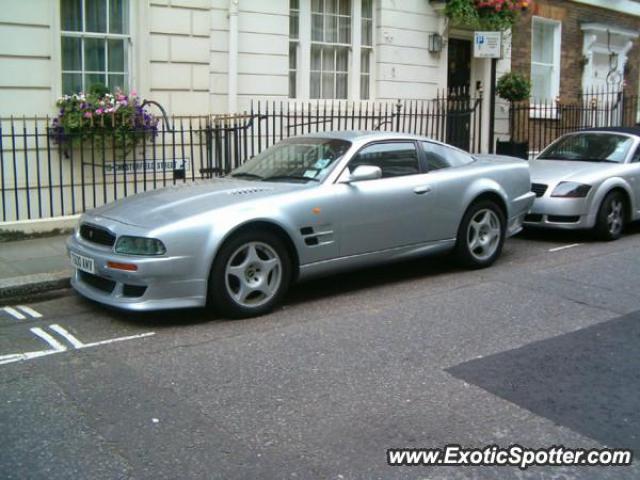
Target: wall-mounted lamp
435,43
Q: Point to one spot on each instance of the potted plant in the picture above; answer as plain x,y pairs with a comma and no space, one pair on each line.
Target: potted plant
513,87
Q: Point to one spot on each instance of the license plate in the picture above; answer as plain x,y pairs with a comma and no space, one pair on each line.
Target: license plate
83,263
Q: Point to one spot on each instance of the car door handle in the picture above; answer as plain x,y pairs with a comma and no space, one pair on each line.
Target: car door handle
422,190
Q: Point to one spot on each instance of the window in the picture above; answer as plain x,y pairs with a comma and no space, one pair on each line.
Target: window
324,55
589,147
545,59
395,159
440,156
367,47
304,159
95,40
294,37
330,41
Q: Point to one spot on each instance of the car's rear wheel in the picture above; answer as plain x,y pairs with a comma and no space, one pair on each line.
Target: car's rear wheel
250,275
611,217
480,235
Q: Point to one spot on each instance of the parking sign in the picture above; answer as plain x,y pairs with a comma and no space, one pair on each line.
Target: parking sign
487,45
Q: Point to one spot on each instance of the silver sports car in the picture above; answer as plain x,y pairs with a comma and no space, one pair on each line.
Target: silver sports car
588,180
307,206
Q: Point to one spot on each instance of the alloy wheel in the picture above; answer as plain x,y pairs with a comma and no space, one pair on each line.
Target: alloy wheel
615,215
253,274
483,234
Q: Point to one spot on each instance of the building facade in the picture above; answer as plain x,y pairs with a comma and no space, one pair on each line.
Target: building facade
200,57
572,47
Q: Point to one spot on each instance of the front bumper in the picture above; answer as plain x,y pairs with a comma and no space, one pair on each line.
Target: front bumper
162,282
561,213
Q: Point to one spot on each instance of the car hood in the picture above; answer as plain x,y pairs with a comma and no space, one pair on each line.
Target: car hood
169,204
554,171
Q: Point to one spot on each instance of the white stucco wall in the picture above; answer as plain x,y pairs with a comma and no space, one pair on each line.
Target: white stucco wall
404,66
27,58
180,51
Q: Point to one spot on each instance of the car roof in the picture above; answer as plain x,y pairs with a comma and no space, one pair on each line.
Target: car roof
627,130
356,135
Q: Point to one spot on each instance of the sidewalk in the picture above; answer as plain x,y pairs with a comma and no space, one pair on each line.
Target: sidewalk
33,266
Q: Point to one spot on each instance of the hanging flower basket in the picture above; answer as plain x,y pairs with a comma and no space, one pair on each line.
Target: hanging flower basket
485,15
102,120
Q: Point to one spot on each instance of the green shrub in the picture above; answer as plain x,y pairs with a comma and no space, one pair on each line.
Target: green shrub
513,87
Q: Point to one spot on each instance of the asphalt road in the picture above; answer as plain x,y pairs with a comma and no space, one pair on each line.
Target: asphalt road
540,350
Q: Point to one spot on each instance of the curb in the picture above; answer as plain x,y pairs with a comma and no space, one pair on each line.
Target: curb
19,287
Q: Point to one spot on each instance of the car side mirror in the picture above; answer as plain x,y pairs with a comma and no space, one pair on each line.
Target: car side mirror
364,172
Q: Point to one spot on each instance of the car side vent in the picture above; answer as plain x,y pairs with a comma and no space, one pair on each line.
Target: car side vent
539,189
248,191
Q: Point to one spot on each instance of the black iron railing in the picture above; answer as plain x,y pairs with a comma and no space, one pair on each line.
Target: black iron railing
538,123
42,178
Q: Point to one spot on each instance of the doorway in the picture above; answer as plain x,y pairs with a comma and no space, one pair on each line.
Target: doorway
459,97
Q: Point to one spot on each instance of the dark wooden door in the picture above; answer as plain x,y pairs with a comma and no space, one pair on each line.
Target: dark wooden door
459,100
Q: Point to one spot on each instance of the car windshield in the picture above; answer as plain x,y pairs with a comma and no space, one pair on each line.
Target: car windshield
589,147
294,160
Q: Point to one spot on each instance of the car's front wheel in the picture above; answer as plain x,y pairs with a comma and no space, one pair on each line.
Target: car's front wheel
611,215
250,275
480,235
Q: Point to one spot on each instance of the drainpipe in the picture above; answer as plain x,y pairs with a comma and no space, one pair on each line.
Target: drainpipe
232,67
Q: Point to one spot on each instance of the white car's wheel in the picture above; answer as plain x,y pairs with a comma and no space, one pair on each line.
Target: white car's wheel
480,235
611,217
250,274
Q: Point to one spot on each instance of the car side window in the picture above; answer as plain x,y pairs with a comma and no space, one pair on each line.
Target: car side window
395,159
441,156
636,156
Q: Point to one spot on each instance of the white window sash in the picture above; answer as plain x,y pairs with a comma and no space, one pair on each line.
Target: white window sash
354,72
105,36
555,66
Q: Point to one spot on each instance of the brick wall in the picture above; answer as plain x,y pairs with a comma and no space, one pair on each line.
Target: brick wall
572,15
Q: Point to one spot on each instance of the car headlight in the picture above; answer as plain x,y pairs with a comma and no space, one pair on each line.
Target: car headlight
571,190
140,246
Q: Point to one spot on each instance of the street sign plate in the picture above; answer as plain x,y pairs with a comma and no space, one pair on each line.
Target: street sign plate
487,45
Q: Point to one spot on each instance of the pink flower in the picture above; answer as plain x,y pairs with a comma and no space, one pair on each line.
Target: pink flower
88,115
134,93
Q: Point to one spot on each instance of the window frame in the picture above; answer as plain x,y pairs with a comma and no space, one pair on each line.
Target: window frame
419,157
354,71
555,66
105,36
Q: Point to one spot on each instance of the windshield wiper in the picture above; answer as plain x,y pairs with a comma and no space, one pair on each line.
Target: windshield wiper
289,177
245,175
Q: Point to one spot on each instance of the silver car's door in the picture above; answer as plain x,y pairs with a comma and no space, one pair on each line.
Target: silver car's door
388,212
451,172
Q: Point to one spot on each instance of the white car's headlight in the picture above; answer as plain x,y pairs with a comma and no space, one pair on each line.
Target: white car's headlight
140,246
571,190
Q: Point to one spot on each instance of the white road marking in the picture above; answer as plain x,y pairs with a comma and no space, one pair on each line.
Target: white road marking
119,339
57,347
30,311
564,247
14,313
19,357
75,343
55,344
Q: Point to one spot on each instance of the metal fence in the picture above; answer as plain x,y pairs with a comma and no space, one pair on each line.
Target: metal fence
41,178
537,124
